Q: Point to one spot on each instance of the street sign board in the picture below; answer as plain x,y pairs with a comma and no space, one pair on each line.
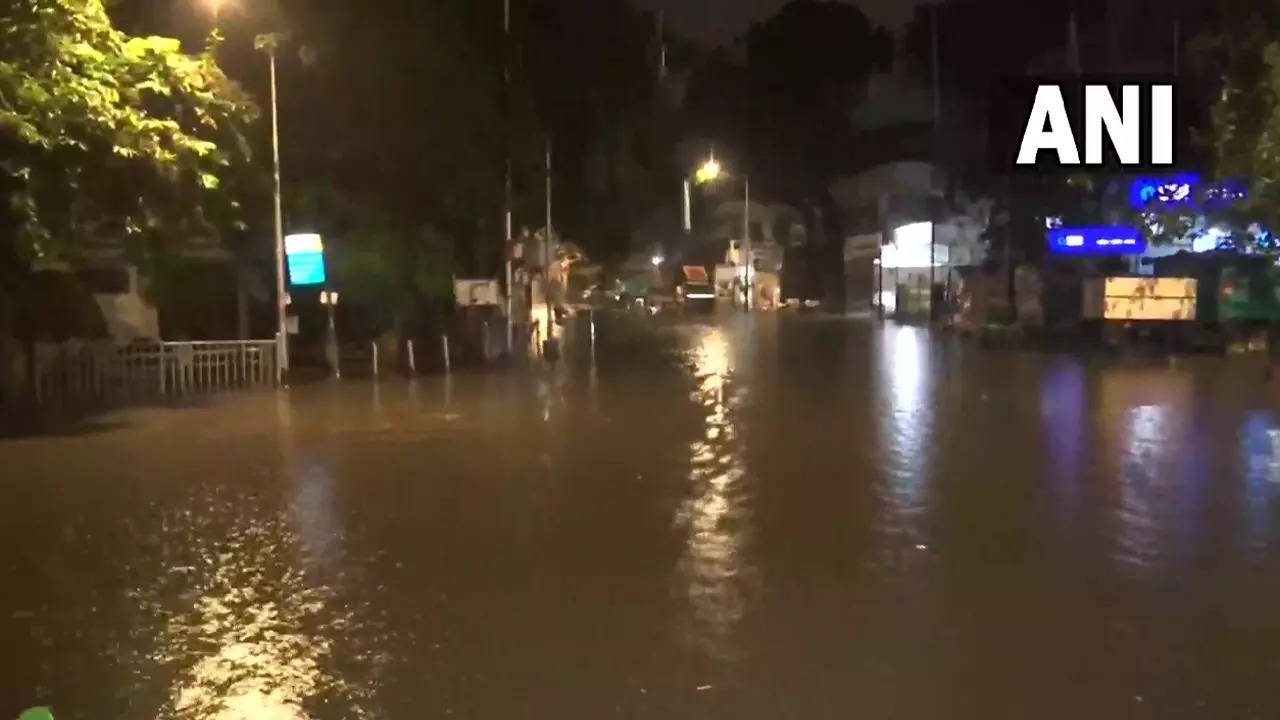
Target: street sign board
304,253
1117,240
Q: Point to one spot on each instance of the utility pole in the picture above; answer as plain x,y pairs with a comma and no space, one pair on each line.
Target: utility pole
546,257
268,43
506,140
662,50
937,142
746,239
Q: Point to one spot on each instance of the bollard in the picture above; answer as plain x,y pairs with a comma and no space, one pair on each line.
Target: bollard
374,344
413,365
444,344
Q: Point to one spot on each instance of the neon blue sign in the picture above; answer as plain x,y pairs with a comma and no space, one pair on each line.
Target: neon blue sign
1104,240
1169,190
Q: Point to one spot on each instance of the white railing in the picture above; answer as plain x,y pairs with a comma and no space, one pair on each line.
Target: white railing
77,370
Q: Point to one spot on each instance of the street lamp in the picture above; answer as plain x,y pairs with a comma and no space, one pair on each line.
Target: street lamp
329,299
214,6
268,43
710,171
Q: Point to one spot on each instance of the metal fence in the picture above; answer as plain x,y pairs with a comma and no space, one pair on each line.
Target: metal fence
76,371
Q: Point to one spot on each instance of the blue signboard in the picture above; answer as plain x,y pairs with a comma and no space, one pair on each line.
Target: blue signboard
1170,190
306,269
305,256
1109,240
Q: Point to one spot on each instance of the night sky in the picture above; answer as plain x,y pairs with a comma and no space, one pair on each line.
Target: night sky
717,21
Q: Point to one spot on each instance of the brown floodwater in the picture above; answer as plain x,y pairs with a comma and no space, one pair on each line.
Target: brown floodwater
749,517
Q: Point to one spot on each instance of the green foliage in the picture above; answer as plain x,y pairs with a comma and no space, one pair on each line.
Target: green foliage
1246,123
404,274
107,135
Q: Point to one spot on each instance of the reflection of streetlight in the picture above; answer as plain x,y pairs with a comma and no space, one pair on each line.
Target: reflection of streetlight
329,299
656,260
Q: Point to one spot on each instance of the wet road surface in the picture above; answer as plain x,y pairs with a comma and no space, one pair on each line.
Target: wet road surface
756,517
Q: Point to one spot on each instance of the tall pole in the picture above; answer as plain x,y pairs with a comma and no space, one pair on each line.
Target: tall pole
937,143
688,215
546,251
282,367
506,139
330,299
746,237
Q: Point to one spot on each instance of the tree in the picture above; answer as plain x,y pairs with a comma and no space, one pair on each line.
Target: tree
593,71
1246,134
106,135
398,273
807,68
404,275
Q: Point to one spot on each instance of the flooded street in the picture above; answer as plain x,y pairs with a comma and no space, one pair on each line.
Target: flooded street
757,517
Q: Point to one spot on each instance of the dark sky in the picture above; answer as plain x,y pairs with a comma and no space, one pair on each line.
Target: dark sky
720,20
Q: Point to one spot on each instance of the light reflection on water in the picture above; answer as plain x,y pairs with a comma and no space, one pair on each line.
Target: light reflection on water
715,515
1146,417
300,568
247,625
906,418
1260,445
1062,422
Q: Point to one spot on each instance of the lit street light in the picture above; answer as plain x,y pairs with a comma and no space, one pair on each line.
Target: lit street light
268,43
329,299
710,171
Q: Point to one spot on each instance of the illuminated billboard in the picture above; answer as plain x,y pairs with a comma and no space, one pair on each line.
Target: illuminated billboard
1102,240
305,255
1137,298
911,248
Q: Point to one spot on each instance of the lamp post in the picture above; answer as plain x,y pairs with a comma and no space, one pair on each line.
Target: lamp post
710,171
268,43
329,298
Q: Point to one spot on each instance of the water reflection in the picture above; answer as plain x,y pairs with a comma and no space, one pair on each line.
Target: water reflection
245,630
1146,416
1260,444
240,631
1063,428
716,514
906,426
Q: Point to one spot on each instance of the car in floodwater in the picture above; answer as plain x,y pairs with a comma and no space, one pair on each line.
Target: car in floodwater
694,291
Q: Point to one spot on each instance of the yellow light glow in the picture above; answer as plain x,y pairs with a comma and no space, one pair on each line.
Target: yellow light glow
709,171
